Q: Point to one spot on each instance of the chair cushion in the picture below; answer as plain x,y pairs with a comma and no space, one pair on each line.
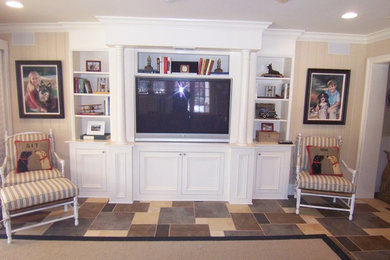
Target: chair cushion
32,155
35,193
324,160
14,178
324,183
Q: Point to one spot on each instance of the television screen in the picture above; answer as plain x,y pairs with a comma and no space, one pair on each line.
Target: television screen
182,106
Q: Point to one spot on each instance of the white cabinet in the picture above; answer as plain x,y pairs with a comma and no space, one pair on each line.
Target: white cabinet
88,168
273,164
178,174
91,91
273,93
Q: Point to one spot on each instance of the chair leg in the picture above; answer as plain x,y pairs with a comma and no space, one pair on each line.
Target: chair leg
352,206
7,224
65,208
298,201
76,211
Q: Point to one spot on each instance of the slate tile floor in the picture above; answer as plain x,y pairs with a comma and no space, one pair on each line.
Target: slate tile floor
366,237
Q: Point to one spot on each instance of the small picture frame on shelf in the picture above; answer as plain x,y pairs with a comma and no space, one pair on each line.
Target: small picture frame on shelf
269,91
267,127
96,127
184,68
93,65
102,85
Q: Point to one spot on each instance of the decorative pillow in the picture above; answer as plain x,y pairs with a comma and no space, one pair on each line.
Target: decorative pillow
32,155
324,160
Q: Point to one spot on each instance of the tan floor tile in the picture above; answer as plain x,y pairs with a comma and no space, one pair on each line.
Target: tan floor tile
145,218
217,224
106,233
313,229
59,213
37,231
217,233
289,210
383,215
160,204
309,219
238,208
97,200
378,232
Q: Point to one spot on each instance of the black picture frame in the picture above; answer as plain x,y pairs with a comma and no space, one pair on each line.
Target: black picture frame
320,102
40,89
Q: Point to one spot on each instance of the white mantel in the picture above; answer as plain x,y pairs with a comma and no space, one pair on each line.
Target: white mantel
183,33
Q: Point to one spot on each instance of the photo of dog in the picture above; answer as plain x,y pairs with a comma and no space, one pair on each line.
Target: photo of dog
323,105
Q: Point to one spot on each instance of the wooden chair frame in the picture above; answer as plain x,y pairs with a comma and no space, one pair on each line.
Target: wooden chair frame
58,163
348,199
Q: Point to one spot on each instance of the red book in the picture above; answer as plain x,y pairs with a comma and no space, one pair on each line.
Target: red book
165,65
200,66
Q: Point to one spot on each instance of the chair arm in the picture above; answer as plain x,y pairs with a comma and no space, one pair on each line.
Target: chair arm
3,168
352,171
60,163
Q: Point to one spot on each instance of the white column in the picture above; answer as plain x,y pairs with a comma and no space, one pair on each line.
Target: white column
121,115
243,122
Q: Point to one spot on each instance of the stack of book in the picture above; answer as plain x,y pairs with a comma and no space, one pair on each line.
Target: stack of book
205,66
81,85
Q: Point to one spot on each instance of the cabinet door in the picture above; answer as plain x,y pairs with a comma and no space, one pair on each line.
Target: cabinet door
159,172
91,172
202,173
269,171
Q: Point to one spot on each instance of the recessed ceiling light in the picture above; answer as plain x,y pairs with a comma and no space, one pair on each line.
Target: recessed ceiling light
349,15
14,4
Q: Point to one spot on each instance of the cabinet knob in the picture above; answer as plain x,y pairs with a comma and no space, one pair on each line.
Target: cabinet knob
259,154
184,154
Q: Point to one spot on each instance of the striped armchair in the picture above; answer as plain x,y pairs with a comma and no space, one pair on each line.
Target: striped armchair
32,179
323,185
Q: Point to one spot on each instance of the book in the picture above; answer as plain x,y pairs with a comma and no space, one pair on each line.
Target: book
209,67
200,66
95,137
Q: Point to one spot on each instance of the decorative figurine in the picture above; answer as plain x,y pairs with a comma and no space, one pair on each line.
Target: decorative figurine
148,67
272,72
158,65
218,69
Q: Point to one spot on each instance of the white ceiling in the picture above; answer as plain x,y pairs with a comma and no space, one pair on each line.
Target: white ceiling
308,15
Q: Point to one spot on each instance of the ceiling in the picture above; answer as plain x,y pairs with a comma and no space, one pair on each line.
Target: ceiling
308,15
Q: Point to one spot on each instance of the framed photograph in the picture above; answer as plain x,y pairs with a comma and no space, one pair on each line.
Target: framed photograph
102,85
93,65
40,89
184,68
326,96
267,127
96,127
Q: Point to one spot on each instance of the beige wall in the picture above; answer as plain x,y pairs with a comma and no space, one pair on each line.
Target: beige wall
48,46
315,55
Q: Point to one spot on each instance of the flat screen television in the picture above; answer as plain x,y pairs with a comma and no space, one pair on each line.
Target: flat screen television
177,109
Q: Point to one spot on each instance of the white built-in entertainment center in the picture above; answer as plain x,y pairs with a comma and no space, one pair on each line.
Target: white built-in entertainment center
224,165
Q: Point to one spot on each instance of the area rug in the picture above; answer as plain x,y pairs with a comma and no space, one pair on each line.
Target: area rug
209,248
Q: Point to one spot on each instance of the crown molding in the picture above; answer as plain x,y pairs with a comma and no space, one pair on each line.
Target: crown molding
333,37
379,36
47,27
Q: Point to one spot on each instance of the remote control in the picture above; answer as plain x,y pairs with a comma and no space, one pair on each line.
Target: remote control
285,142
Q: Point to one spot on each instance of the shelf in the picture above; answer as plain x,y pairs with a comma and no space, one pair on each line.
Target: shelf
92,72
183,75
93,116
273,78
262,99
91,94
270,120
